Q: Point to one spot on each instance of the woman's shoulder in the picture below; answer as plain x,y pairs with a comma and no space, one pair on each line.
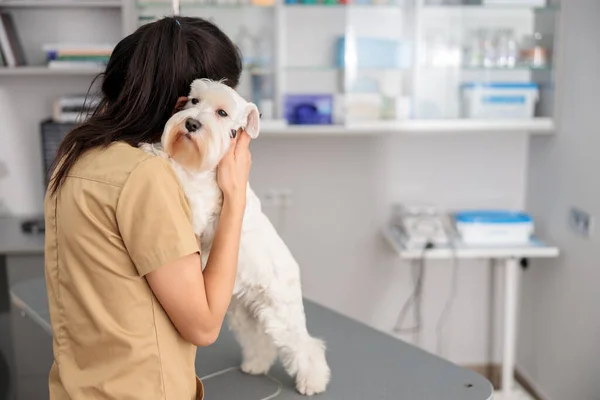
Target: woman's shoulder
115,163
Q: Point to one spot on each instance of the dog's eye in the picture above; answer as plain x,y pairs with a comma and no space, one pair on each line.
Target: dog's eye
195,101
222,113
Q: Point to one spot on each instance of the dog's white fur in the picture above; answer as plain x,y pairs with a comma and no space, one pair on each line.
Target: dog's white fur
266,312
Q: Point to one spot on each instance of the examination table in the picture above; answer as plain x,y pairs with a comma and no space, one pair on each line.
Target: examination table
366,364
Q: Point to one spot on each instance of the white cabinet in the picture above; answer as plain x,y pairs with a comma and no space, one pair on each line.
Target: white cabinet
379,66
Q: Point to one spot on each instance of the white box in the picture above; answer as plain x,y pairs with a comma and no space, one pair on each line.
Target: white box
494,228
531,3
499,100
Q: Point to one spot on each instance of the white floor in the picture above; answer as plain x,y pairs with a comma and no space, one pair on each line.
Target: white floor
518,394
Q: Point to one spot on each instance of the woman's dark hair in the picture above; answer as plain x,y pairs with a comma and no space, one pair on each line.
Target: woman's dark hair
147,72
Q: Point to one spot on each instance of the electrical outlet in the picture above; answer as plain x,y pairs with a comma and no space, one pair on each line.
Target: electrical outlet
581,222
286,197
277,198
272,198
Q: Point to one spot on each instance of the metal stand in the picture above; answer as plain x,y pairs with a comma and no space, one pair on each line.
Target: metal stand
7,369
511,292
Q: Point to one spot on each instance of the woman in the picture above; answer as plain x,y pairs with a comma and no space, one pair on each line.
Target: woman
128,299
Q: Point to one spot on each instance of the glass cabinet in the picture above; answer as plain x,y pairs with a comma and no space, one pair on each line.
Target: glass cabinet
388,64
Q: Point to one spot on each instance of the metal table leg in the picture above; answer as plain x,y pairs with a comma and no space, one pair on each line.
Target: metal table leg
7,363
511,291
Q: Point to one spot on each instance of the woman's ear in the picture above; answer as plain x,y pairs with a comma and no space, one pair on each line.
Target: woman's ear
180,104
252,120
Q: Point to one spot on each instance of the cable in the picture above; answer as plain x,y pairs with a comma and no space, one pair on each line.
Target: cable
453,293
226,370
418,275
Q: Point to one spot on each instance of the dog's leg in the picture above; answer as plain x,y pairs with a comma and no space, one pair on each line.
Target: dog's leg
302,355
258,350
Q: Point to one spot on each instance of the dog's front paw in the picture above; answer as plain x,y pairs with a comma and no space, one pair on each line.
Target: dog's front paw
314,381
314,377
256,366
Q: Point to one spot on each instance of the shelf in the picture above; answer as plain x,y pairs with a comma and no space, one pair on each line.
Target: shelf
211,4
495,7
374,6
198,4
538,126
257,71
45,71
519,68
327,68
534,249
60,4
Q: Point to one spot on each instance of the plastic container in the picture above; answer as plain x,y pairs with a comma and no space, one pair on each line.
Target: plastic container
494,227
309,109
374,53
499,100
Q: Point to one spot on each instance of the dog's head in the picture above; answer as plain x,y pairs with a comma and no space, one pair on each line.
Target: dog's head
198,136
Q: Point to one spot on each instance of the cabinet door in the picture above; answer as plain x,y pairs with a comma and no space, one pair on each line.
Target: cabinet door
487,60
32,345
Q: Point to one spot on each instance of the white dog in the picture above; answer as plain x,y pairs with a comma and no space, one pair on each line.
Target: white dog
266,313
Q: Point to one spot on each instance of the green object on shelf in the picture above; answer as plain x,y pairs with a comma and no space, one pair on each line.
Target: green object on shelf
330,2
84,58
309,1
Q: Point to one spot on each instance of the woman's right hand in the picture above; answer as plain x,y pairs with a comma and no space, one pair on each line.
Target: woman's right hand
234,170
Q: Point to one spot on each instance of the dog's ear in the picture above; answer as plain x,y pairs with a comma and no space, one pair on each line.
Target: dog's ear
252,117
199,85
179,105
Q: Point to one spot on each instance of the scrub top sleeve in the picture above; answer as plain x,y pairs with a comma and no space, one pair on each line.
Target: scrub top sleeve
154,217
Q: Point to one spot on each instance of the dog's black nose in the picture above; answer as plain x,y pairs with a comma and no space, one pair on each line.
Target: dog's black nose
192,125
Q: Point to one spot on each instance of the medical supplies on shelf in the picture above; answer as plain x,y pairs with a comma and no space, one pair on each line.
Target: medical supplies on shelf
64,55
499,48
309,109
494,227
501,100
74,108
530,3
373,52
421,225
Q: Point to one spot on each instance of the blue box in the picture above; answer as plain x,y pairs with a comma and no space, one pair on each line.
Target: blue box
309,109
375,53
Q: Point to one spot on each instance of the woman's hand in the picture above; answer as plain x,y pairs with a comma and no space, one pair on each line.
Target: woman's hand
197,300
234,169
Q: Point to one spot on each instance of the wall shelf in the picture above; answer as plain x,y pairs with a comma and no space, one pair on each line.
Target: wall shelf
343,6
60,4
45,71
205,6
491,7
538,126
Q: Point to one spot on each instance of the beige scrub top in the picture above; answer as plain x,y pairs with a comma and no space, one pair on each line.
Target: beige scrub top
120,214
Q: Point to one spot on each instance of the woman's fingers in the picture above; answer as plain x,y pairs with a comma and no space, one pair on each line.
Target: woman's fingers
232,146
243,141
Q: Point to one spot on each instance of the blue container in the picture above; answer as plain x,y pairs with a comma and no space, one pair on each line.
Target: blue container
492,217
309,109
375,53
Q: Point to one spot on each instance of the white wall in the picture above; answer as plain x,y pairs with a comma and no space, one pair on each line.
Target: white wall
560,319
342,188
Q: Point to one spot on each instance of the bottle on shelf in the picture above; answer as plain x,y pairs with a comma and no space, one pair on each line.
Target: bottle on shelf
507,49
533,52
488,40
245,43
473,49
262,78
